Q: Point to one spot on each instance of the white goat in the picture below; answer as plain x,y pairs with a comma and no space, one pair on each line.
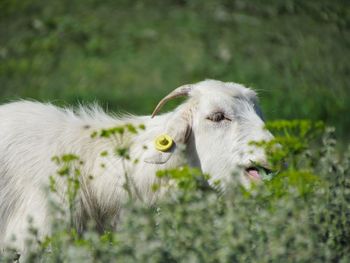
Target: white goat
216,124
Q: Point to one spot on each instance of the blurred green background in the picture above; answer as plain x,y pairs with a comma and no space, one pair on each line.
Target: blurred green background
128,54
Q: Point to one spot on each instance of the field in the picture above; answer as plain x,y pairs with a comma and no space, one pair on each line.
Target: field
126,55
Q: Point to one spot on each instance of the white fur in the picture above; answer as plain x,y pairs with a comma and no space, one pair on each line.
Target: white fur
31,133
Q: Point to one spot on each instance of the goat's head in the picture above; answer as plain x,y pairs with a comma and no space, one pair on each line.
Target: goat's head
217,124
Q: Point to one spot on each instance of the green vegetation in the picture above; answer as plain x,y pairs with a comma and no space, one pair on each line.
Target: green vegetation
128,54
299,215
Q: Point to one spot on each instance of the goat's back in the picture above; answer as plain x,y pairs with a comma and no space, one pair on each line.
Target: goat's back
31,134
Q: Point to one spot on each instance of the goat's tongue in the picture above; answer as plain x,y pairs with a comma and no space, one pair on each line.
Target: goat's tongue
253,173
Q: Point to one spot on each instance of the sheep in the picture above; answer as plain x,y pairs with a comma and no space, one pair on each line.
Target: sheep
211,131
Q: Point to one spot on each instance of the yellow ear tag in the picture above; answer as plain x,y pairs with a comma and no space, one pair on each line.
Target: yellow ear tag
163,142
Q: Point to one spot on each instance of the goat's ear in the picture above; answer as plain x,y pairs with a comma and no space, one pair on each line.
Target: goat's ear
156,157
178,128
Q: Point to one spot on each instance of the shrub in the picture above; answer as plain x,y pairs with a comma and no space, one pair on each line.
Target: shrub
301,214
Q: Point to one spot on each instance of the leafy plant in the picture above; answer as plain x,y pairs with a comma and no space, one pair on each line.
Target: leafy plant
301,214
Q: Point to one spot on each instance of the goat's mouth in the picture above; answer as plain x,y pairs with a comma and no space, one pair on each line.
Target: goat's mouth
258,173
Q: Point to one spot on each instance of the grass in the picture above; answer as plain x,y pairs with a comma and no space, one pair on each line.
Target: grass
127,55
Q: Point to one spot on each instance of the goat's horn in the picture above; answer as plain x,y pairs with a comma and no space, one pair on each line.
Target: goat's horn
178,92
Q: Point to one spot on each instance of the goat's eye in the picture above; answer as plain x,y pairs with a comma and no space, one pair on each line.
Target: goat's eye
217,116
